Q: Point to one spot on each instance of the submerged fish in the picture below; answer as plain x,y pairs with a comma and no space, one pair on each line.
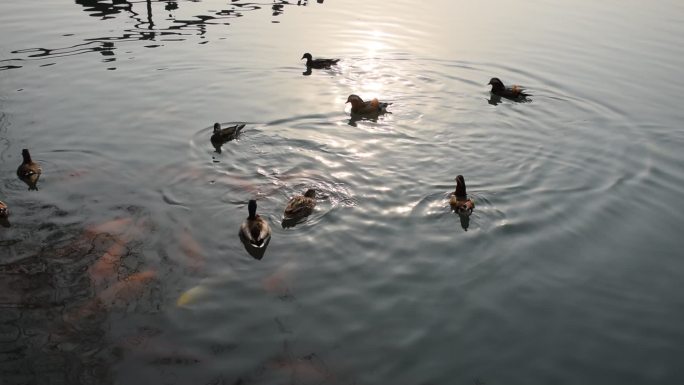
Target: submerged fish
107,266
192,295
192,250
115,226
126,291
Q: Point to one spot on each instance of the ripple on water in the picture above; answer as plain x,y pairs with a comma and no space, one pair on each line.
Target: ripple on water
552,253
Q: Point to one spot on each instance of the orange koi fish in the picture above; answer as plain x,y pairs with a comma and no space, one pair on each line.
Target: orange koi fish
107,266
126,291
192,250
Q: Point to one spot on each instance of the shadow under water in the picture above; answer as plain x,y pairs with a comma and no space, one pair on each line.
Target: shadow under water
78,281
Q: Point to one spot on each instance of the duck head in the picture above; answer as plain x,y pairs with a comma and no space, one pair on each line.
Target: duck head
217,127
4,213
460,187
310,193
496,84
25,154
251,208
308,57
355,100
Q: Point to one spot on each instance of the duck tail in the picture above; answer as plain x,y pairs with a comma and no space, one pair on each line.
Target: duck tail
239,128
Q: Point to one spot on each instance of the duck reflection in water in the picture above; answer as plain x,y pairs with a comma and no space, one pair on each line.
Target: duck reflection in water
29,171
465,220
355,118
255,233
494,99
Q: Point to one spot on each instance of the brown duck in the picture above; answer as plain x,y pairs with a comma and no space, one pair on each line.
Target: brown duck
371,107
222,135
513,92
255,229
300,206
459,200
318,63
29,171
4,211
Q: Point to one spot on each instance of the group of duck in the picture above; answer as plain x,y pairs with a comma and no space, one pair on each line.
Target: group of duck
255,231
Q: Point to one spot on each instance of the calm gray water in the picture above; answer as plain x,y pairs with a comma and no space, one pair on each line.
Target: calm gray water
570,269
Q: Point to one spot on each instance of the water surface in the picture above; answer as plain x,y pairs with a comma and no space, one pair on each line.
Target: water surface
569,269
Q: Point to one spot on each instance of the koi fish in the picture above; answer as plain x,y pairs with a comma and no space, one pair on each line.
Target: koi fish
107,266
124,292
192,250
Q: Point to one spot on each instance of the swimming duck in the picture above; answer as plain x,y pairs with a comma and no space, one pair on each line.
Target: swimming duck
226,134
318,63
459,200
29,171
4,211
300,206
513,92
4,215
223,135
255,230
359,107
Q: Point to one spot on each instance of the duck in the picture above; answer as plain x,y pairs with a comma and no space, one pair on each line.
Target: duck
29,171
227,134
371,107
255,230
300,206
318,63
513,92
4,215
459,200
4,211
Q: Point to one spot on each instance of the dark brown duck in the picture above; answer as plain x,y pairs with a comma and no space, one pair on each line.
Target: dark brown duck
459,200
4,211
371,107
300,206
513,92
29,171
318,63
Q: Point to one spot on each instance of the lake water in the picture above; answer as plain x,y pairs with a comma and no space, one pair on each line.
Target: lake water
570,269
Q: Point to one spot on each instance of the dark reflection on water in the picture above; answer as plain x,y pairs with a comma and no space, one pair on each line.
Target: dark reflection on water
465,220
145,27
